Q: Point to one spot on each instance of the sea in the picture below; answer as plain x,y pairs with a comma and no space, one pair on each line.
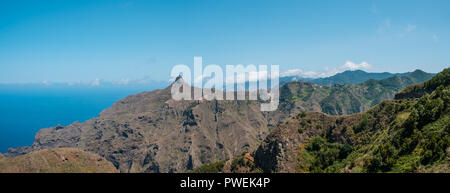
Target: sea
27,109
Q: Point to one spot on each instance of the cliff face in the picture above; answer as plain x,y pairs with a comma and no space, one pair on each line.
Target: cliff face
296,97
150,132
280,150
60,160
407,135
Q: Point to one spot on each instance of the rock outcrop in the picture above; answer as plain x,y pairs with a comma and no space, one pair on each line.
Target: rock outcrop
151,132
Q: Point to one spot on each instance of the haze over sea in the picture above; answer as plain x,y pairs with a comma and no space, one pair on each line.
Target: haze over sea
27,109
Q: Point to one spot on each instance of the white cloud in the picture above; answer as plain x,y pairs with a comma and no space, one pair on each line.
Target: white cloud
349,65
46,83
252,76
300,72
123,81
292,72
96,82
353,66
411,28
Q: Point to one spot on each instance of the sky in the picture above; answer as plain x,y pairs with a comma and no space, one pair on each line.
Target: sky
67,41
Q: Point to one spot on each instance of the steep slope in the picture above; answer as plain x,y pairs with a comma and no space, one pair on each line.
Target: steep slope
417,90
296,97
61,160
150,132
349,99
408,135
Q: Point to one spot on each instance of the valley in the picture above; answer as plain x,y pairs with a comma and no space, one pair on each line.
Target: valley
316,128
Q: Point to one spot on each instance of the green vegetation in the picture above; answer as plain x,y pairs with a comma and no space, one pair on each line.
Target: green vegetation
214,167
407,135
417,90
441,79
338,99
300,115
422,139
417,137
318,155
359,76
243,163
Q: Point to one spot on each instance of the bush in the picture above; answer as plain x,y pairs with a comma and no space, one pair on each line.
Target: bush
301,115
318,155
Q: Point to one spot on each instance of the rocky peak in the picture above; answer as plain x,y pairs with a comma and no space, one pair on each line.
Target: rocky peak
179,78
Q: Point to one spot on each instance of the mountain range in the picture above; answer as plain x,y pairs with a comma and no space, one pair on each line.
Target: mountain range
408,134
151,132
346,77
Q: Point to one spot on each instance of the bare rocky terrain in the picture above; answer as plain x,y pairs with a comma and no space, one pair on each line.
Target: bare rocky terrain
151,132
407,135
61,160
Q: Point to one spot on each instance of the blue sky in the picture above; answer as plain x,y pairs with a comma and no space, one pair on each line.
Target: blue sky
63,41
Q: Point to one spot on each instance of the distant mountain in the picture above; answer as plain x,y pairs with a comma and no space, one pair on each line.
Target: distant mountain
351,77
151,132
354,77
397,136
417,90
406,135
62,160
338,99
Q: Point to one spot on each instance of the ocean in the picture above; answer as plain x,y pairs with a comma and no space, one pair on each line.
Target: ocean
27,109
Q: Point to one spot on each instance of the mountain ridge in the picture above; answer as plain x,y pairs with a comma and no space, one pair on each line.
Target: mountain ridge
401,135
349,77
151,132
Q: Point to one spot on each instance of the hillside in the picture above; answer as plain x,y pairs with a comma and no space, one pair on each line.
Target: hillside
151,132
355,77
61,160
296,97
347,77
408,135
419,89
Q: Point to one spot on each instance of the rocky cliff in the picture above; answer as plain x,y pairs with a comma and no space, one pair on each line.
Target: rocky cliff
407,135
151,132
